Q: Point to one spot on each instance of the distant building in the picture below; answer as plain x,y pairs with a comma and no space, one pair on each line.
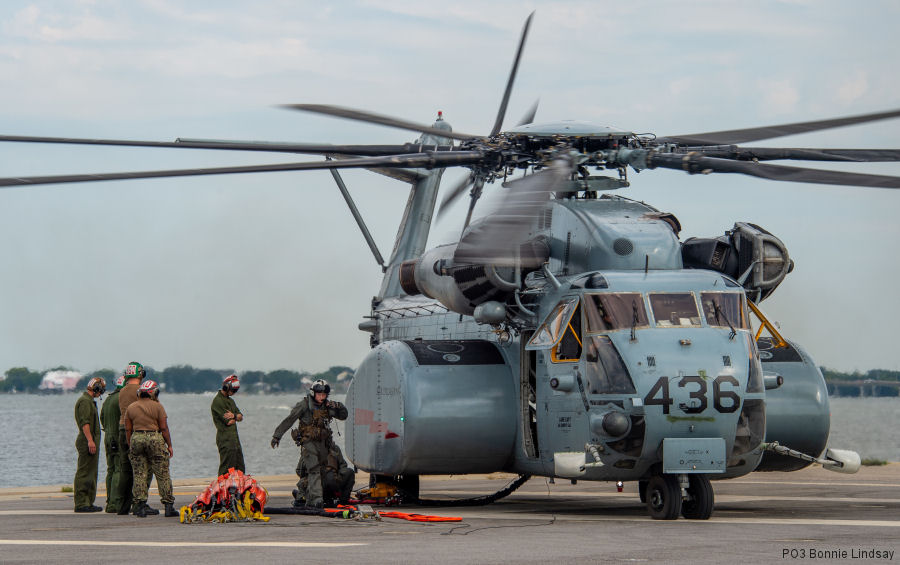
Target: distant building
64,381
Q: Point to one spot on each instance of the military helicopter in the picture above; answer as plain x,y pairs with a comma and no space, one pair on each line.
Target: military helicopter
570,333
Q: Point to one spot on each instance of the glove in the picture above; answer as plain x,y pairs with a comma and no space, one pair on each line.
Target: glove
274,443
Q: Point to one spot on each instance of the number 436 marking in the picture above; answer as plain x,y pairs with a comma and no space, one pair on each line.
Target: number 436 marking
659,395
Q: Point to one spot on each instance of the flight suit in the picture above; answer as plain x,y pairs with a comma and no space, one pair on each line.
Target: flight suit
337,478
127,395
109,421
315,440
85,483
227,441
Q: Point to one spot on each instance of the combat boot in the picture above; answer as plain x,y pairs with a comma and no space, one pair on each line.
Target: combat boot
140,511
150,511
170,510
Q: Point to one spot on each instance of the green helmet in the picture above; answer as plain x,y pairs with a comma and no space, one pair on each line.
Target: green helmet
120,382
135,369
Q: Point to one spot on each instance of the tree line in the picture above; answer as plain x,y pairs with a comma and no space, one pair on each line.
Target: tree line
187,379
862,384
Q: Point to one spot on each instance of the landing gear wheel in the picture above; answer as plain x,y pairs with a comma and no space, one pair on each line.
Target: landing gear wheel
663,497
642,491
699,503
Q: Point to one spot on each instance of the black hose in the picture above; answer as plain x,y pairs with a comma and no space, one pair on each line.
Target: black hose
478,500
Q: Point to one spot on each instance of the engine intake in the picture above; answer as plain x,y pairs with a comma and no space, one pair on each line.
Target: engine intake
749,254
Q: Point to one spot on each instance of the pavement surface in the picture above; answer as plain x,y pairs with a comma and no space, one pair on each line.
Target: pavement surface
806,516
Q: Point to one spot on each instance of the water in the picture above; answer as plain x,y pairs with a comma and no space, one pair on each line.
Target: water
37,435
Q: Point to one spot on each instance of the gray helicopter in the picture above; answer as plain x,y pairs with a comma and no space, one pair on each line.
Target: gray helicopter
569,333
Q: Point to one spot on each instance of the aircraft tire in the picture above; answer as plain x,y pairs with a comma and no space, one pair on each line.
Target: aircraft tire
663,497
699,505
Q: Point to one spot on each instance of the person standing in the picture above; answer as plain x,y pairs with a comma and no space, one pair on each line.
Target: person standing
109,421
134,374
150,448
314,414
87,445
226,415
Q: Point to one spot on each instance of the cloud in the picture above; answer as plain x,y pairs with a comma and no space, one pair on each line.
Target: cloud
778,96
853,88
33,23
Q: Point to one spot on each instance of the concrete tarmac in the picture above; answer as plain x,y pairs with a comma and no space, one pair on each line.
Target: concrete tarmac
807,516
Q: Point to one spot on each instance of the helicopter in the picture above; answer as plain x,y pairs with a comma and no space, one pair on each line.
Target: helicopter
570,334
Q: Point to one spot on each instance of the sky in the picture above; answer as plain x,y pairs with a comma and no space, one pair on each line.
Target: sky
269,271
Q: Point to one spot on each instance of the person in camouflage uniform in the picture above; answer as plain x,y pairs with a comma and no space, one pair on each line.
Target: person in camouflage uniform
109,421
314,414
226,415
87,446
150,447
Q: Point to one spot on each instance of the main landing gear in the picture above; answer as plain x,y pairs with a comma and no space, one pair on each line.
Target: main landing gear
667,496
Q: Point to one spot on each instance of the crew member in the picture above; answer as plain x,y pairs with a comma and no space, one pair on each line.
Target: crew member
314,414
150,447
87,445
226,415
337,480
134,374
109,420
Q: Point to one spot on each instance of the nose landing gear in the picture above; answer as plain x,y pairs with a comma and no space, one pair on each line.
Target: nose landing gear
667,496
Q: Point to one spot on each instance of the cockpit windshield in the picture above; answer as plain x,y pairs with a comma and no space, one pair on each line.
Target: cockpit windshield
614,311
674,309
724,309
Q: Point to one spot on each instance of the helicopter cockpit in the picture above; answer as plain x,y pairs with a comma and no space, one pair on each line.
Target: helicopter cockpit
673,352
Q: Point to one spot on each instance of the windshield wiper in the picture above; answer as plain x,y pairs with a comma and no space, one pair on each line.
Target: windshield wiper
718,310
634,319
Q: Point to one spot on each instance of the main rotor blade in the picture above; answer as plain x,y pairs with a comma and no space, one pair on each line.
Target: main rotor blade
798,154
696,163
498,123
264,146
454,193
415,160
769,132
495,239
372,118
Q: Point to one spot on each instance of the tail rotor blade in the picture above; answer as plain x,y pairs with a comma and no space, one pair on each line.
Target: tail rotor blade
454,193
528,118
495,239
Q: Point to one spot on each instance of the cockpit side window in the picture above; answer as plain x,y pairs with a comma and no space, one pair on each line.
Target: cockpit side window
675,309
605,371
614,311
569,347
554,324
724,309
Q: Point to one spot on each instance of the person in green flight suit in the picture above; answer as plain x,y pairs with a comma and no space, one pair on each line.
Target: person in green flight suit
226,415
337,480
87,446
134,374
314,414
109,421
